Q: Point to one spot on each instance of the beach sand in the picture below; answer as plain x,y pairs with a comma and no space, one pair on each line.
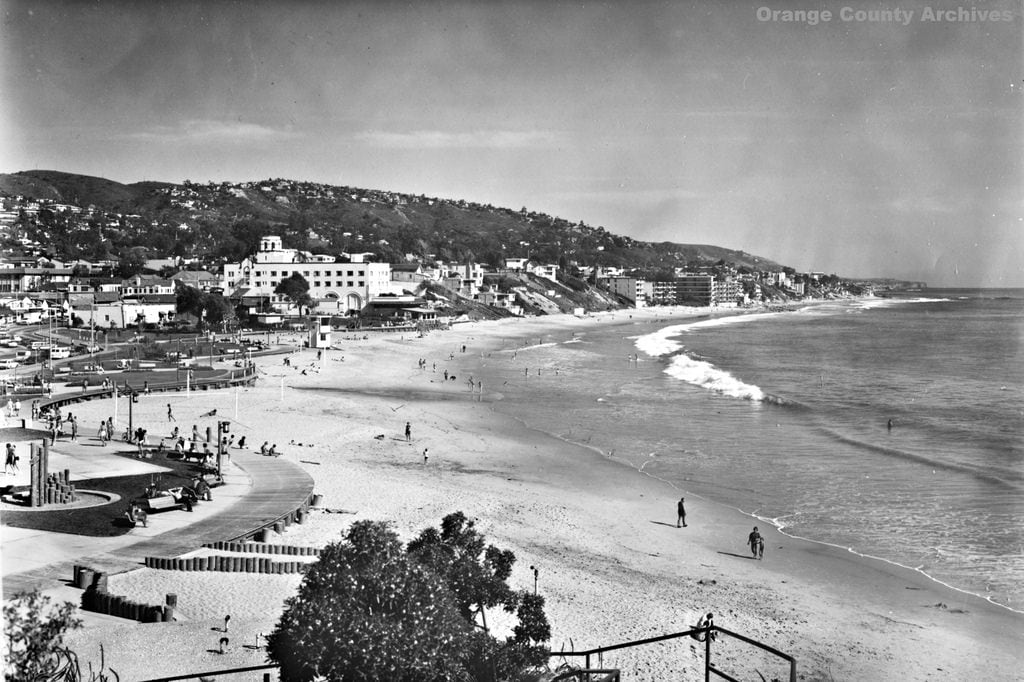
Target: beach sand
612,565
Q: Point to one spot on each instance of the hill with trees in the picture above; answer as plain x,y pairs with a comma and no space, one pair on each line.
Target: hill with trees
214,222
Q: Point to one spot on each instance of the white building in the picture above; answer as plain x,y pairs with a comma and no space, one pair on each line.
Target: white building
342,286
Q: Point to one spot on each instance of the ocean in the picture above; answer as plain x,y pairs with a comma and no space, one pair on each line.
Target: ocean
786,417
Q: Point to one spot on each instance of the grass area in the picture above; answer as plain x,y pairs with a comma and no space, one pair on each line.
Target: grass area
107,519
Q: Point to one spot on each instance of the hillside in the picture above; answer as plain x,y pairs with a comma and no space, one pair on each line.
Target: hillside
214,222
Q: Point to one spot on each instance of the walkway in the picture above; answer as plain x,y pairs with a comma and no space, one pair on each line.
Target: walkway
261,491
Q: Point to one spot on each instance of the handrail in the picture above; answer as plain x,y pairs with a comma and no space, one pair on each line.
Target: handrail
706,631
214,673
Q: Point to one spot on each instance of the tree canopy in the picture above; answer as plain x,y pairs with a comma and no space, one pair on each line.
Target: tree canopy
296,288
370,609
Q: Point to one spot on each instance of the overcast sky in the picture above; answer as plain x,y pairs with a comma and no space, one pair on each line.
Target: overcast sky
855,146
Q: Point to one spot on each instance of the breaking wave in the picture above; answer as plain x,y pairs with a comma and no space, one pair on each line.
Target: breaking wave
704,374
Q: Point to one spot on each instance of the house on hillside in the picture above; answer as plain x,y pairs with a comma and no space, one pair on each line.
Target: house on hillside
197,279
147,286
22,279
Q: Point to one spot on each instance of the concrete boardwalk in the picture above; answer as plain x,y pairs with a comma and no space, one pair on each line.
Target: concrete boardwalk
258,491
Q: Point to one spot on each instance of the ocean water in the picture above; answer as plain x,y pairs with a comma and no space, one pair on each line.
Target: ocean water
785,416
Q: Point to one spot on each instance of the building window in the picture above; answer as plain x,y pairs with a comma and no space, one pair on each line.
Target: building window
316,283
350,274
361,283
350,281
273,273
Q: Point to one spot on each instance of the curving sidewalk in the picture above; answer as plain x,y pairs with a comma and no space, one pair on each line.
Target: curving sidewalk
262,492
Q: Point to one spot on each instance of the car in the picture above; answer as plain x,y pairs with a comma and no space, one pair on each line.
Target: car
9,343
23,355
9,363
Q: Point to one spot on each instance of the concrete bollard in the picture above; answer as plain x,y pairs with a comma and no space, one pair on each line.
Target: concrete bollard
250,564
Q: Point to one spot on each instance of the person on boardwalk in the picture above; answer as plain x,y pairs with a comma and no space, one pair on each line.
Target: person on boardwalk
756,543
170,414
408,431
681,513
11,461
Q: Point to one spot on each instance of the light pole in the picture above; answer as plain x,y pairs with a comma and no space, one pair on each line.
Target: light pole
132,397
222,428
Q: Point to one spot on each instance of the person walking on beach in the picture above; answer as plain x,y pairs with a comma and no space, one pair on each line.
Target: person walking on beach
756,543
681,513
408,431
170,414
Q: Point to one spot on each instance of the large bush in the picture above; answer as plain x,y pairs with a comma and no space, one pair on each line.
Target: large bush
365,611
370,609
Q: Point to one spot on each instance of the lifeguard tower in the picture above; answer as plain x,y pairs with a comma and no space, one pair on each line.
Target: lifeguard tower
320,332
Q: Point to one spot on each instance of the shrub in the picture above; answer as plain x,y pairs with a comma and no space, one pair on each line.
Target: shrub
370,609
365,611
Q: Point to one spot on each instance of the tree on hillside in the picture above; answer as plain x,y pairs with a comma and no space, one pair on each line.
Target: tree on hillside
131,262
367,611
296,289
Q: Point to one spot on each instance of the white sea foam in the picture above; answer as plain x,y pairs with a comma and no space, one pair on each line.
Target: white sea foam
662,342
706,375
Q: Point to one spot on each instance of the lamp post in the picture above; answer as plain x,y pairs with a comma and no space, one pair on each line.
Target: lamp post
222,428
132,397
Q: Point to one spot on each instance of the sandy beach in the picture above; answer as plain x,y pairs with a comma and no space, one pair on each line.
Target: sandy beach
612,565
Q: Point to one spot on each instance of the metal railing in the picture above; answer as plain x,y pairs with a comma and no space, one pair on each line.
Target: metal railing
705,631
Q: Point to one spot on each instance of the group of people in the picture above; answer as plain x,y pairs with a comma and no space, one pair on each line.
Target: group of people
755,540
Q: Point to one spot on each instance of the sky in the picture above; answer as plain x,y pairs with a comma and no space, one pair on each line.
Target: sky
865,145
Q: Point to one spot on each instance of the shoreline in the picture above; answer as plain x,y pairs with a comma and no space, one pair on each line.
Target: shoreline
613,566
688,317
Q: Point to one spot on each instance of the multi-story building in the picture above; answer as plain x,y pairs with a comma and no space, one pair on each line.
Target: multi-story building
727,292
631,288
340,285
695,290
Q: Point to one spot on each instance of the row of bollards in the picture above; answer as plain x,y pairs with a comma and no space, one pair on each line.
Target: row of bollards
263,548
96,598
227,564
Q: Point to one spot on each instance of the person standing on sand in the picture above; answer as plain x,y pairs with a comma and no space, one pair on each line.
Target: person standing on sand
681,513
756,543
170,414
408,431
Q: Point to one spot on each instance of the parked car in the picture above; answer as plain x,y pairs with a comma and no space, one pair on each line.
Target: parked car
23,355
9,363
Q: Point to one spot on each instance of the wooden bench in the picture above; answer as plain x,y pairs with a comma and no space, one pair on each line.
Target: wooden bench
155,504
